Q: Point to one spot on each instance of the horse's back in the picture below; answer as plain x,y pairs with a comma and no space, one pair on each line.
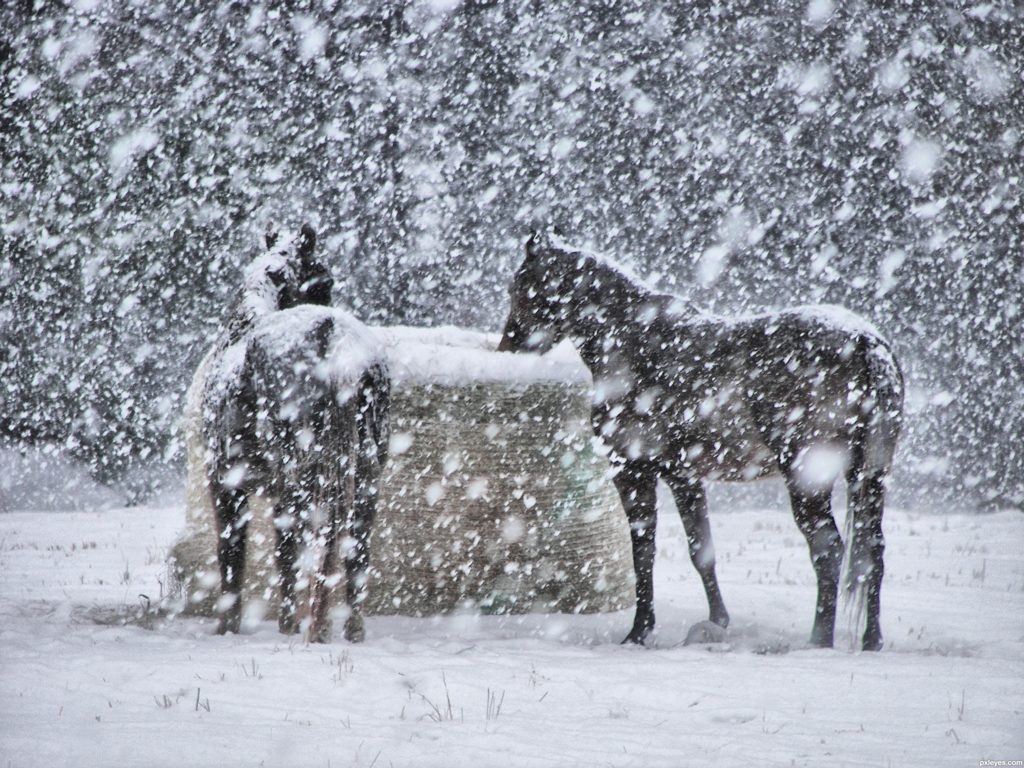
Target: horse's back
754,392
325,329
306,368
324,345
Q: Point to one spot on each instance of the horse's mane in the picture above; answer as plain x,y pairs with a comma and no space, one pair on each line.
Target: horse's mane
626,276
825,314
624,271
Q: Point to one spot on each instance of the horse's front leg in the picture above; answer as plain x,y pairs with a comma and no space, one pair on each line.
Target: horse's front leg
357,553
230,510
637,486
693,509
813,514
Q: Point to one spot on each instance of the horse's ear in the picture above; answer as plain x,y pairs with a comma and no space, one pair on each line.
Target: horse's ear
531,243
307,241
270,238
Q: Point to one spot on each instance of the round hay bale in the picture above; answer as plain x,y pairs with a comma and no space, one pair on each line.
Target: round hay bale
493,499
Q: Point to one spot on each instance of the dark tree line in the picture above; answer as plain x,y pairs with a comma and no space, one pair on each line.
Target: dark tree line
746,157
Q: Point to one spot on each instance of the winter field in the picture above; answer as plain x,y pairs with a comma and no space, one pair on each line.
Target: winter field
81,687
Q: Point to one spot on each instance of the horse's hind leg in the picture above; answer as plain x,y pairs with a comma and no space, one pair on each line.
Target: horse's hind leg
637,489
339,502
813,514
286,523
357,555
867,498
230,509
319,625
693,509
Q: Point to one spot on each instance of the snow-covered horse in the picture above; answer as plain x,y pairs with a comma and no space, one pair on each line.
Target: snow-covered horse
809,393
297,410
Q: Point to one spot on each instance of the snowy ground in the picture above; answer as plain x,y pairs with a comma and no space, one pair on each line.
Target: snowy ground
79,689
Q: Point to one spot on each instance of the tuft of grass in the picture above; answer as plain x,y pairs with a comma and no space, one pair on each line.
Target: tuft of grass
252,670
203,704
959,707
444,712
342,666
494,704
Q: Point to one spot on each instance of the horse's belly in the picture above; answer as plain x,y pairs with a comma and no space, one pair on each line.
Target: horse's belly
722,443
715,460
727,449
727,457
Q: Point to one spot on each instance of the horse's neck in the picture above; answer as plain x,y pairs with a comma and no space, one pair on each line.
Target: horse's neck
609,318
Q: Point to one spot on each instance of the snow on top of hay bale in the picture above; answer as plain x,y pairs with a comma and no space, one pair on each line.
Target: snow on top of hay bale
455,356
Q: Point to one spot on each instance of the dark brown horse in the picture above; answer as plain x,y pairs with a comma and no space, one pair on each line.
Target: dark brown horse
297,410
808,393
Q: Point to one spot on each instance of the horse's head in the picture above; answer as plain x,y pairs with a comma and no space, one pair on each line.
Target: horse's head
300,278
543,296
297,248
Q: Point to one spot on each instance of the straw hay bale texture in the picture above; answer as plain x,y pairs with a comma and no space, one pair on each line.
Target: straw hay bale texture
493,500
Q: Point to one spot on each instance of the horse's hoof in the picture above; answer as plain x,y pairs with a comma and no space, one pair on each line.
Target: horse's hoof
643,625
704,632
720,618
872,643
636,638
355,630
288,626
820,642
319,634
228,626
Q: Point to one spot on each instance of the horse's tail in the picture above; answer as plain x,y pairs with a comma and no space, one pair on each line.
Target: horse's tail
330,460
873,443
